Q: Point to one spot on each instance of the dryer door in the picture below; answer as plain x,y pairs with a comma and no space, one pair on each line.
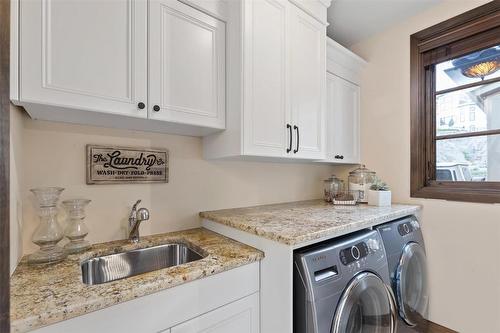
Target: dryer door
366,306
411,285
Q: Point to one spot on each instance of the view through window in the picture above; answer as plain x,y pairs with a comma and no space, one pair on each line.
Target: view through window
467,102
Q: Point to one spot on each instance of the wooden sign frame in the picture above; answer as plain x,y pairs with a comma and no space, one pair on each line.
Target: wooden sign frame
126,165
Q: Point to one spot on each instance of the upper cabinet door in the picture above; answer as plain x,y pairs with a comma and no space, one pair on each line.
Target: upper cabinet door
265,78
186,65
307,70
89,55
343,120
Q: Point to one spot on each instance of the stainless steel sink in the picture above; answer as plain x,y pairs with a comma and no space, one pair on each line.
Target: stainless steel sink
121,265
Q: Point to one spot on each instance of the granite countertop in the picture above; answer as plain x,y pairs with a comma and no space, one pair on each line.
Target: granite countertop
304,221
46,294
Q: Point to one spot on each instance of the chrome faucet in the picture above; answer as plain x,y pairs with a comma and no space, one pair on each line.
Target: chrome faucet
134,221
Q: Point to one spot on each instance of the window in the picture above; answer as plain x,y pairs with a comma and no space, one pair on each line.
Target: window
455,70
472,114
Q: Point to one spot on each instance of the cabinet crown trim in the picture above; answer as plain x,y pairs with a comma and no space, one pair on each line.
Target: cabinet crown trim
334,49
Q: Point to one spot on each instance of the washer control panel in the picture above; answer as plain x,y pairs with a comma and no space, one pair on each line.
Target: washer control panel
354,253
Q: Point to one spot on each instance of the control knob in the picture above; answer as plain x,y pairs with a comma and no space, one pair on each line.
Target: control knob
373,244
414,224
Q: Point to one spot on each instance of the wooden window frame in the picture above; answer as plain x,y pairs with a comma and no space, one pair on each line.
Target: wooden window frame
465,33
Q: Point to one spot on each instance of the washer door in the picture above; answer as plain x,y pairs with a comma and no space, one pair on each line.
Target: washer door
366,306
411,285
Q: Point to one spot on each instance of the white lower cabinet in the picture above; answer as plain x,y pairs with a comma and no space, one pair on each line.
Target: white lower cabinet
227,302
241,316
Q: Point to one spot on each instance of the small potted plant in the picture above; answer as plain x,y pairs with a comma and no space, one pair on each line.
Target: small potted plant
379,194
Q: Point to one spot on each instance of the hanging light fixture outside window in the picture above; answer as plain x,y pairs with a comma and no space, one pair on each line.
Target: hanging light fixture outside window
479,64
482,69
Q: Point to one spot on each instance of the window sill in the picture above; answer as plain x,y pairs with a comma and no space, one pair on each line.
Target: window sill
455,192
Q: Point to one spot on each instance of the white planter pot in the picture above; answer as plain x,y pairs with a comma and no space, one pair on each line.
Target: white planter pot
379,198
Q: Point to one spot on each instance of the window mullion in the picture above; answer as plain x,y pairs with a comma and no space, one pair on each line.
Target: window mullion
466,86
468,135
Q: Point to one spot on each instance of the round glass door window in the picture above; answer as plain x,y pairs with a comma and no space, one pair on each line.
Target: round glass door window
365,307
411,285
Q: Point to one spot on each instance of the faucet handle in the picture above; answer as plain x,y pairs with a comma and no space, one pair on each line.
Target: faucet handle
134,207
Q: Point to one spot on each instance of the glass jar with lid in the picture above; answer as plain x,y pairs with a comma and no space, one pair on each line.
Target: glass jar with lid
332,186
360,181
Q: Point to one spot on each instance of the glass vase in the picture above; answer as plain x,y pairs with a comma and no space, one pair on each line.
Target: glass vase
76,230
48,232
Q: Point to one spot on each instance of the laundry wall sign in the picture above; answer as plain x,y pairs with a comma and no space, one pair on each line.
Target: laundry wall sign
123,165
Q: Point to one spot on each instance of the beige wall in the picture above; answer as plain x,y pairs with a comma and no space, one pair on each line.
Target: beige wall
462,239
16,216
54,155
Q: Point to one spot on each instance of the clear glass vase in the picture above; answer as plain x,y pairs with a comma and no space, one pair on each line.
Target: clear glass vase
76,230
48,232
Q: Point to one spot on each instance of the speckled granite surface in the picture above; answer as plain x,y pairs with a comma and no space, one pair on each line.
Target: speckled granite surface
299,222
46,294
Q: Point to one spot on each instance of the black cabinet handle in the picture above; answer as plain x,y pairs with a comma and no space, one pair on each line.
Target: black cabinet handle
289,149
296,128
339,157
141,105
156,108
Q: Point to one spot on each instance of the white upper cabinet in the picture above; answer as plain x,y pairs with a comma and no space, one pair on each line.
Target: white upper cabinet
307,78
89,55
276,81
265,77
186,65
342,120
343,105
88,62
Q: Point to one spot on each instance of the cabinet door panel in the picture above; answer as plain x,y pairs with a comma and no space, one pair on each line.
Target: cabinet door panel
241,316
88,55
343,120
187,65
265,75
307,66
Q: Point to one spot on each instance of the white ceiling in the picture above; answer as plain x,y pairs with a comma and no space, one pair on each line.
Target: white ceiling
352,21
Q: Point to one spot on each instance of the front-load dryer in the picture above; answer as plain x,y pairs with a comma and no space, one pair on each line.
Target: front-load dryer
342,286
404,245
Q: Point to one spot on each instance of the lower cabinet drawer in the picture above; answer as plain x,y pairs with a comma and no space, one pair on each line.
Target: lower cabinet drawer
241,316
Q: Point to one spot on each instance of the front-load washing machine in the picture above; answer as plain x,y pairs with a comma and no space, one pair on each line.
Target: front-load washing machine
404,245
342,286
